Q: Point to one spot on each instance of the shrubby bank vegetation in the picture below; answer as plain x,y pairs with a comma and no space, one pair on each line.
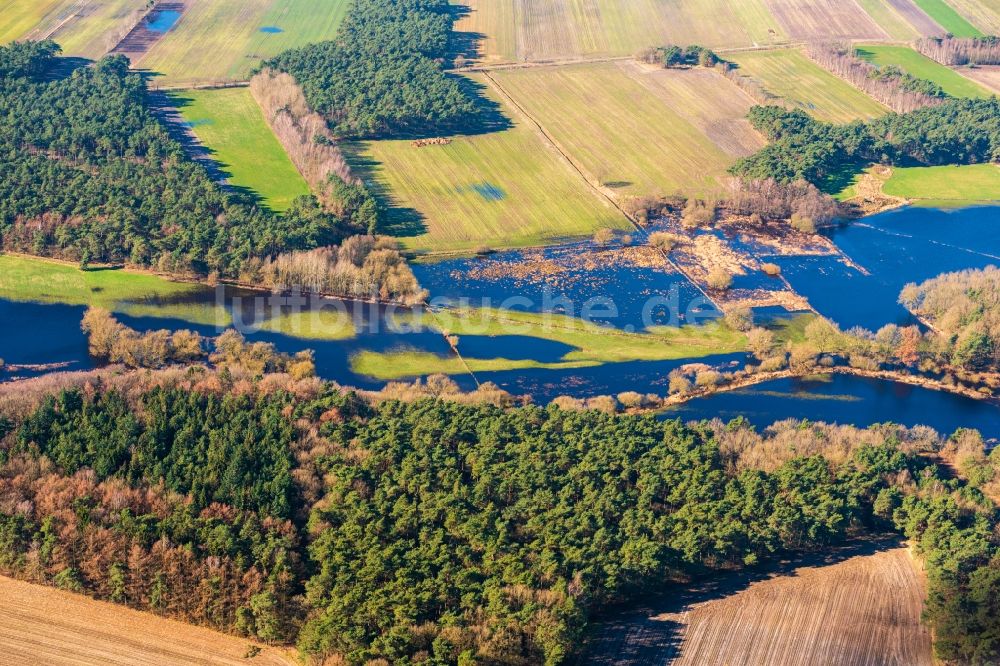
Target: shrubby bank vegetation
430,531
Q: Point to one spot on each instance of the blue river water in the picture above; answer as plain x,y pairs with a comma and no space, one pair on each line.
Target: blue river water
893,249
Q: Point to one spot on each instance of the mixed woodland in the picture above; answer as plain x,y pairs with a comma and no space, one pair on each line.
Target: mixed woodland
438,532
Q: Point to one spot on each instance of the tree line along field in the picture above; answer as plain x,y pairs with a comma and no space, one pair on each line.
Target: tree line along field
230,124
638,130
40,624
859,611
922,67
501,189
800,83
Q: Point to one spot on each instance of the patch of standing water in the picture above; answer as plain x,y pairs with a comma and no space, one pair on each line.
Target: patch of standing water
162,21
845,399
629,287
271,29
895,248
489,191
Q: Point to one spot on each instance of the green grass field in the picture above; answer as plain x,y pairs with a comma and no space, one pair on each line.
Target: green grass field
230,124
922,67
28,279
948,18
593,345
503,189
222,40
635,135
959,185
801,83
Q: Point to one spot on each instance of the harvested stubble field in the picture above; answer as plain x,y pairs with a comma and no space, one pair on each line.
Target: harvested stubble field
803,84
222,40
923,67
825,19
983,14
502,189
918,18
860,611
988,77
91,29
532,30
20,17
889,15
41,625
636,130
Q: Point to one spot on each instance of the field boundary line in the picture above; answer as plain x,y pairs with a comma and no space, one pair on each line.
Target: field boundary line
597,190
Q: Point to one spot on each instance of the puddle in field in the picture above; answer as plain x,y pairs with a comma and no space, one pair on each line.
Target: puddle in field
489,191
199,122
161,21
271,29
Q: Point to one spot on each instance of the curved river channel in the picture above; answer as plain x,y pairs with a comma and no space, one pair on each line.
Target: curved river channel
888,250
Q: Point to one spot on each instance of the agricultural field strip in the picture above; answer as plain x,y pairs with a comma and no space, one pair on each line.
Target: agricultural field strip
43,625
825,19
803,84
983,14
922,67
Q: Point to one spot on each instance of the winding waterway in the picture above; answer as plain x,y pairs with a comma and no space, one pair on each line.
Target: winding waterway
892,249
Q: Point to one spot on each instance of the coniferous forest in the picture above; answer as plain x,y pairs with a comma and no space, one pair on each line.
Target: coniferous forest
429,530
89,173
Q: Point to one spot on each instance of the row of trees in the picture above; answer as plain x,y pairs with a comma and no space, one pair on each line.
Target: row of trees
957,131
88,173
432,530
383,74
312,147
958,51
890,85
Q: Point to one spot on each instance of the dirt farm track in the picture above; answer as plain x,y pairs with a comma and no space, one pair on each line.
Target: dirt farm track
41,625
860,607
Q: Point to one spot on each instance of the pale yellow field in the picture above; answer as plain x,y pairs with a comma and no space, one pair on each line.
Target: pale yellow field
889,19
824,19
20,17
530,30
860,611
221,40
42,625
639,131
502,189
984,14
95,28
801,83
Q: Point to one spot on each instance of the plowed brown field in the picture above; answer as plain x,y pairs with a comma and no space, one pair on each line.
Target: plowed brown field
41,625
863,610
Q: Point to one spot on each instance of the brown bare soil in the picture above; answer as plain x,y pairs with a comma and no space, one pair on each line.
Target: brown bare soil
140,39
819,20
988,76
859,606
41,625
916,17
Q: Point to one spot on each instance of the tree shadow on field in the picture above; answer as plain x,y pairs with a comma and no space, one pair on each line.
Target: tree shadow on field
648,629
167,108
395,220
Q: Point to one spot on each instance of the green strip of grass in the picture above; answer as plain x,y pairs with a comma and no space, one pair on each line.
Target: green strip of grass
948,18
33,280
593,344
959,185
325,325
923,67
231,125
